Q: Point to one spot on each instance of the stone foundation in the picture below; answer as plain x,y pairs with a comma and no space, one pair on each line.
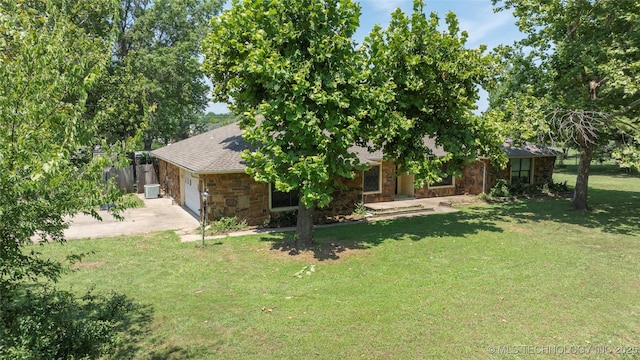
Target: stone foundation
169,178
237,195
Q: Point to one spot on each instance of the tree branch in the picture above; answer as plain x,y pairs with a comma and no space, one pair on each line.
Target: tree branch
626,109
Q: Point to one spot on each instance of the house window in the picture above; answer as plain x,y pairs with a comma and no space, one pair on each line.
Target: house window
371,179
283,200
521,171
446,180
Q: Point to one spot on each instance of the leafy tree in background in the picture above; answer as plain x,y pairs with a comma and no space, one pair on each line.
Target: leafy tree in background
214,119
290,70
426,84
574,78
155,82
49,61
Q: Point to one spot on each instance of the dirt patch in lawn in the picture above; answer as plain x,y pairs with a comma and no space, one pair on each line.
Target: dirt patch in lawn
326,250
86,265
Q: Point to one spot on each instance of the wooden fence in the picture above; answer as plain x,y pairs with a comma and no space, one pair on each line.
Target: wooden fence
126,177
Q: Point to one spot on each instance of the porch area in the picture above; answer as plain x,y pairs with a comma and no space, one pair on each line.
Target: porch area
410,206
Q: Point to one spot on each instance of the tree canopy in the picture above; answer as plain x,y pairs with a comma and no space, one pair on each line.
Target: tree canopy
306,93
574,78
155,83
49,64
291,72
426,84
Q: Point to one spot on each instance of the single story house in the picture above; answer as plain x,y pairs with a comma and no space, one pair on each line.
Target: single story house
212,161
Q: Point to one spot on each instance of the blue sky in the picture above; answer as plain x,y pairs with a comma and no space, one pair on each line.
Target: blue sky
475,16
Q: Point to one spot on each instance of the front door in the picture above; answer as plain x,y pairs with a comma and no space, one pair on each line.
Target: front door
405,185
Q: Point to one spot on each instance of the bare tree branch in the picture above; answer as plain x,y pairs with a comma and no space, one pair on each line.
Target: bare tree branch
578,126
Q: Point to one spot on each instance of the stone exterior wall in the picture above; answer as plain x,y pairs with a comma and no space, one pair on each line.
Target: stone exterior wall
543,170
469,183
344,200
169,178
494,173
237,195
388,192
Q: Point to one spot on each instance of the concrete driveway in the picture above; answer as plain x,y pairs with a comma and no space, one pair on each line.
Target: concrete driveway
157,215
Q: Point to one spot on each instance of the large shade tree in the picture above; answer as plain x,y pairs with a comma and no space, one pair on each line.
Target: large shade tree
575,77
49,61
49,64
291,72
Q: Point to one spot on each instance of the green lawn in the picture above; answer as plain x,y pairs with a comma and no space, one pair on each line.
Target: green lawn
491,278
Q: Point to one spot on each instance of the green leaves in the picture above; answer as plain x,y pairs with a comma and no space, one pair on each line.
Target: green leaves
155,83
293,63
426,82
574,78
306,95
49,65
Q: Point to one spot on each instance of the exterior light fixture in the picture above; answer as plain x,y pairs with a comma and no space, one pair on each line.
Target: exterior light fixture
205,195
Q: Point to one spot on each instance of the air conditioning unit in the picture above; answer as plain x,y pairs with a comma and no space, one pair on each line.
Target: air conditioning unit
151,191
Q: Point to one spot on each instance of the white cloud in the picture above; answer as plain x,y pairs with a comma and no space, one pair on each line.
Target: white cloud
385,4
490,28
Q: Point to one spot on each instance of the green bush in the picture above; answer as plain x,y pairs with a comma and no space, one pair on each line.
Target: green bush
54,324
360,209
226,225
501,189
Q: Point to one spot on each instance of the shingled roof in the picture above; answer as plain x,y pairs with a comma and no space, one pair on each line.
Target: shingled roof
216,151
526,149
219,151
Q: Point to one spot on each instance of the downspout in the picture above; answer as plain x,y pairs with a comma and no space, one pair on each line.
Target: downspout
484,177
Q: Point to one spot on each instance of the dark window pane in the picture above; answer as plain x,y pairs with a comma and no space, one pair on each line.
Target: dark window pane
521,171
281,199
446,180
371,179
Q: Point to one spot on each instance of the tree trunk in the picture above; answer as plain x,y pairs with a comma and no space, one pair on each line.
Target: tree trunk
304,225
147,144
582,181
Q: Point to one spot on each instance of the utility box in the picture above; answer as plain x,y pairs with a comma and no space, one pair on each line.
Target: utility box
151,191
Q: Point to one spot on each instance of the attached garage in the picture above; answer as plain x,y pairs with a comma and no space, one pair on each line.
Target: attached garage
191,193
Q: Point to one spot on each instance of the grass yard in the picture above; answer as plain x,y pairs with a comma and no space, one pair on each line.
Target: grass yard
512,280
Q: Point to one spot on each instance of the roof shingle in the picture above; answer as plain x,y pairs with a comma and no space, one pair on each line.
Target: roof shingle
219,151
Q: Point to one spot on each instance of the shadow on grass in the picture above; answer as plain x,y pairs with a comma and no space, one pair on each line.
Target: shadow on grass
136,330
332,242
178,353
616,212
135,326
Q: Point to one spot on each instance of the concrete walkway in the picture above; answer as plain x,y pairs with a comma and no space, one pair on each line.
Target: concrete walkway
426,203
157,215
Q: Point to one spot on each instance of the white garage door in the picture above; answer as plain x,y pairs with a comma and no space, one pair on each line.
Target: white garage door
191,193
